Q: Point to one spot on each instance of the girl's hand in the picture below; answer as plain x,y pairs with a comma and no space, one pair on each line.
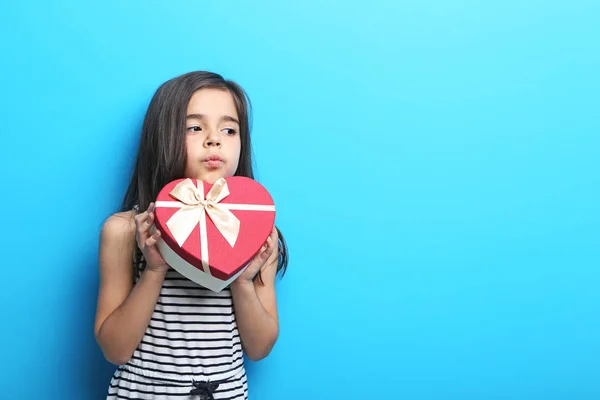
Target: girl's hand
147,242
259,260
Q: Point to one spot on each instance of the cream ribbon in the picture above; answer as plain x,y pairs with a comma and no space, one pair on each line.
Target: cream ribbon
193,209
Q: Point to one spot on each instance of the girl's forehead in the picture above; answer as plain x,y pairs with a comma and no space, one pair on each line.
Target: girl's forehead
212,103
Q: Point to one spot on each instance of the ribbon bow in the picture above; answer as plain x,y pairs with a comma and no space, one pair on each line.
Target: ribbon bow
194,210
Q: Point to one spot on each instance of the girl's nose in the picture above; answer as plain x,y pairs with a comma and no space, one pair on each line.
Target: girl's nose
213,140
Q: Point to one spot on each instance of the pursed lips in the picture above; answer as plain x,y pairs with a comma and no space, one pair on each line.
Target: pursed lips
213,161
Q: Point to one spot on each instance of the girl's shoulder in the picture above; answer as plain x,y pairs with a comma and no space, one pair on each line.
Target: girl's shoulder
119,227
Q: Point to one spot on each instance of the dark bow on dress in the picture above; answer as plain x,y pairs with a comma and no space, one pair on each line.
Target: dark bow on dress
204,389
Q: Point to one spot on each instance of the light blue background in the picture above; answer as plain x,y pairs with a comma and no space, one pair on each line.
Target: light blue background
435,165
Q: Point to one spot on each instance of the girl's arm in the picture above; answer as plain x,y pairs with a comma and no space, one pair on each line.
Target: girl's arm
256,303
124,310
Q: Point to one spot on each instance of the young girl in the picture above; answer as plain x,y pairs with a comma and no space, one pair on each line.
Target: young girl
169,336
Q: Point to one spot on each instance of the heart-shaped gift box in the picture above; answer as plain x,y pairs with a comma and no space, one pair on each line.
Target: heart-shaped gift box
209,233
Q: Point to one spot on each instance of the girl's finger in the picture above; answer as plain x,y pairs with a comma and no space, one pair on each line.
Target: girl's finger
143,229
145,226
150,219
261,252
143,233
140,218
269,250
151,241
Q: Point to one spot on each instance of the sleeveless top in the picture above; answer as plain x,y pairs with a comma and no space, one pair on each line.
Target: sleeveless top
191,348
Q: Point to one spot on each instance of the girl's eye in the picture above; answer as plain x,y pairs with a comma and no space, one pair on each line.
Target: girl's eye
229,131
194,129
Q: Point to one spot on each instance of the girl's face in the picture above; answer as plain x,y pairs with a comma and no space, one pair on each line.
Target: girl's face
213,135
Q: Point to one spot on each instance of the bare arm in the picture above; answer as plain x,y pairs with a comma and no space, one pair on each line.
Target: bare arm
256,304
124,310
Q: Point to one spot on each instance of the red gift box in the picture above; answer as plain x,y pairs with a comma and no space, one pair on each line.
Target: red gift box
209,233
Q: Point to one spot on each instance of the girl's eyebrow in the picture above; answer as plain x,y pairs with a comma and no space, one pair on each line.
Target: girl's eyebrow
224,118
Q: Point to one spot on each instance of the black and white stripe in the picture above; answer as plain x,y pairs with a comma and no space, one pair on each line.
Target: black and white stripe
192,336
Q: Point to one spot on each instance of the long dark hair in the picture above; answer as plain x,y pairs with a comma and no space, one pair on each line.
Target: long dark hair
161,154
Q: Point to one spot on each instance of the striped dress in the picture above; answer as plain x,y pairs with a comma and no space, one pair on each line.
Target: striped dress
191,348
